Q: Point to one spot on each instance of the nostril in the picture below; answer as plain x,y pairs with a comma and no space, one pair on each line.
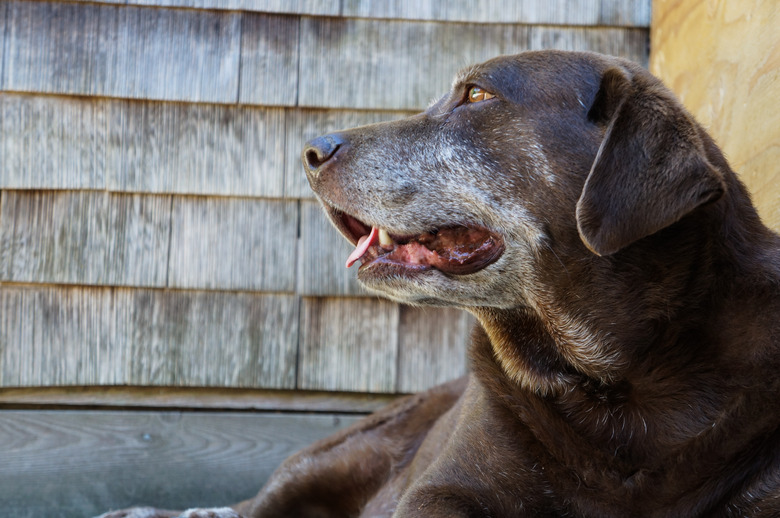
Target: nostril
318,151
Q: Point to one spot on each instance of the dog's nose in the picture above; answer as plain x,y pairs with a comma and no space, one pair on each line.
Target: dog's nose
318,151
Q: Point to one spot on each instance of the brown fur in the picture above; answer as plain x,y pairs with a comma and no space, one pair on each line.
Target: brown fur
627,356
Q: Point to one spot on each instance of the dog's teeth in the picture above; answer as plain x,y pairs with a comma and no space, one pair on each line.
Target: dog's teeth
384,238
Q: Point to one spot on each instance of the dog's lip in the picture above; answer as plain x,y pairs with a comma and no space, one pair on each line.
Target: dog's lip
456,249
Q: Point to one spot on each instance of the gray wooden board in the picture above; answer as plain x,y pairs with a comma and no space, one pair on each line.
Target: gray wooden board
191,398
52,142
404,65
306,124
309,7
269,59
348,344
103,336
432,346
196,148
544,12
564,12
322,257
84,237
122,51
233,243
74,464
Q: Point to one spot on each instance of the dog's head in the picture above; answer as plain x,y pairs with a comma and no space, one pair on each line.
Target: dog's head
528,157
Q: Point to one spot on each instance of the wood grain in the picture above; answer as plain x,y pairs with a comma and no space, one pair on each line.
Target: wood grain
723,60
635,13
52,142
195,149
323,254
432,346
404,65
190,398
122,51
82,463
100,336
306,124
84,237
233,244
269,59
308,7
348,344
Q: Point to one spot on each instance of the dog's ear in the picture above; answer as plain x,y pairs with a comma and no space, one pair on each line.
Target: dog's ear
650,170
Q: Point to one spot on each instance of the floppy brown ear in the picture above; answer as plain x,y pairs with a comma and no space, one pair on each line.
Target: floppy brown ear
651,169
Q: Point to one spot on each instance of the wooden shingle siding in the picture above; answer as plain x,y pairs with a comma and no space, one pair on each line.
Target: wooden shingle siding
390,78
84,237
196,149
323,254
233,244
311,7
86,462
432,346
52,142
269,60
348,344
542,12
131,52
103,336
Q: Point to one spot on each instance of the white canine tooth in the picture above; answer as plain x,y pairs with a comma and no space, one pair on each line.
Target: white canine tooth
384,238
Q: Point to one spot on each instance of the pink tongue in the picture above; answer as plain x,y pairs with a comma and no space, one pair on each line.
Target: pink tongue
363,244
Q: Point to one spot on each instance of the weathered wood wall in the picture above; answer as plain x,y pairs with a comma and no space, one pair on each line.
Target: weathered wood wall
160,249
723,60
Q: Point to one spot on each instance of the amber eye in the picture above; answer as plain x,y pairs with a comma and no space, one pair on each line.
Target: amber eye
477,94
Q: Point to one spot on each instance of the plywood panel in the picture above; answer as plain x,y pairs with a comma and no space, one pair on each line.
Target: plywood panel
269,59
432,346
547,12
404,65
322,257
348,344
234,244
52,142
723,60
84,237
99,336
82,463
122,51
306,124
196,148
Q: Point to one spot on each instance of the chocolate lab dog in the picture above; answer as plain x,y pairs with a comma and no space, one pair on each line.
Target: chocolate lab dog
626,360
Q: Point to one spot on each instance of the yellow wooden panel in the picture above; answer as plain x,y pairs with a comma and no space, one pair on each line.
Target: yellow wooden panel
722,57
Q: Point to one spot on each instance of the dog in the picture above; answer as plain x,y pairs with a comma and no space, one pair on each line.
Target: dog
626,356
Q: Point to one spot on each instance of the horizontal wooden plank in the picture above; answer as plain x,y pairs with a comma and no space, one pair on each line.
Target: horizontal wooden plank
372,64
348,344
82,463
308,7
129,52
195,149
322,257
52,142
432,346
84,237
98,336
546,12
306,124
269,59
234,244
191,398
56,142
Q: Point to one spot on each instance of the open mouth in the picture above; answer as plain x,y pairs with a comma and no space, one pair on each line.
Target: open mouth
457,249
